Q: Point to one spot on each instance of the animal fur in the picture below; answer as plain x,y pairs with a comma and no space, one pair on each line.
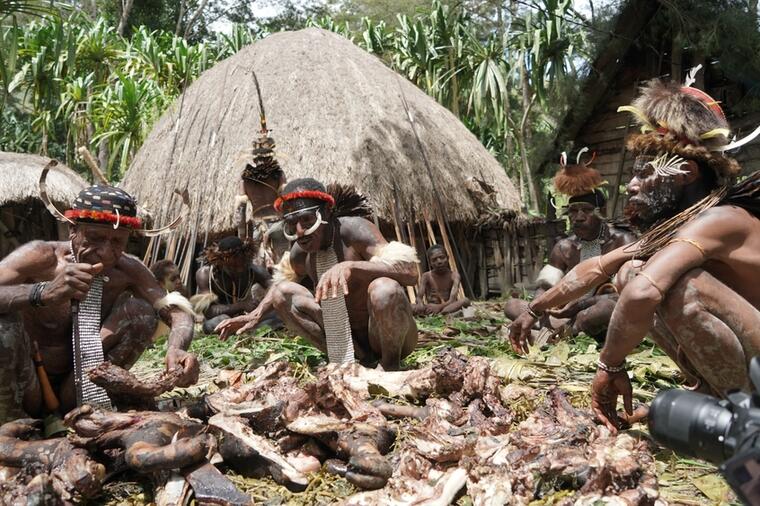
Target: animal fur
654,144
202,301
395,253
240,200
574,180
283,271
549,276
174,299
349,202
685,116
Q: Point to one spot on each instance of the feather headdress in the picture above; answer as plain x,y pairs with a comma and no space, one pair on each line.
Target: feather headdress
579,178
683,121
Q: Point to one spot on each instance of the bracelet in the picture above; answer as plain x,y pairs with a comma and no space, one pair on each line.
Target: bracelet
532,312
610,369
35,296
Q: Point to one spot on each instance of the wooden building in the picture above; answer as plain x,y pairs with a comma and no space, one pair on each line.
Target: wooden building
624,63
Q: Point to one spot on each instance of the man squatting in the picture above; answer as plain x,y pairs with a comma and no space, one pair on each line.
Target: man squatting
591,236
40,280
359,309
692,277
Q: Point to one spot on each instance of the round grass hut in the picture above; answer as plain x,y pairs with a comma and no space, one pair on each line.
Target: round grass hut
337,114
23,216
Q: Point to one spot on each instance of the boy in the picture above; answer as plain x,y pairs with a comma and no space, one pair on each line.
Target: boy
439,287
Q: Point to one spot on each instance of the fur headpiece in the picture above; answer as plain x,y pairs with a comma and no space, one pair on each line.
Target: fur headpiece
579,178
682,121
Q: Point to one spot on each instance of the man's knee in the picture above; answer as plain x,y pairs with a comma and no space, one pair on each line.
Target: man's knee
626,273
282,293
384,291
682,300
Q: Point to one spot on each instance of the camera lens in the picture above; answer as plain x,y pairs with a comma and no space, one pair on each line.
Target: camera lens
691,423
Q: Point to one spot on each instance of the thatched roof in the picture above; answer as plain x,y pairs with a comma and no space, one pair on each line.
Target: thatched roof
20,172
336,114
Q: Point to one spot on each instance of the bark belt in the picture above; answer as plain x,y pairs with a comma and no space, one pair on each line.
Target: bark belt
88,348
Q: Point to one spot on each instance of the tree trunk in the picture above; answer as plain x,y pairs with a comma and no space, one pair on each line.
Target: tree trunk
178,28
126,9
525,134
454,84
676,59
194,17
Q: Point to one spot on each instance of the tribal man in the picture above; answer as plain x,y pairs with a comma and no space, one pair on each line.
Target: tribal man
359,309
51,290
695,270
227,284
591,236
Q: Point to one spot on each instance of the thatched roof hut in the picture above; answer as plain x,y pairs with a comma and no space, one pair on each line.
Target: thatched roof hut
336,113
20,172
23,217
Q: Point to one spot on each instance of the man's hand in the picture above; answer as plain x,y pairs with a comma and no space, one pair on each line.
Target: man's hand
570,310
239,324
519,332
73,282
604,393
333,282
175,358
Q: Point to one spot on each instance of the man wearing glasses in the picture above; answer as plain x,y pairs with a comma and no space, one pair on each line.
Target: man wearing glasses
591,236
358,308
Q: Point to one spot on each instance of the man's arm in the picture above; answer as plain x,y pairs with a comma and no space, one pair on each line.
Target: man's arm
574,285
717,231
380,259
18,269
454,293
177,314
24,265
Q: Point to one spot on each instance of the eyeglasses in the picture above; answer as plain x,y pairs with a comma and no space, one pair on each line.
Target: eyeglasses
309,218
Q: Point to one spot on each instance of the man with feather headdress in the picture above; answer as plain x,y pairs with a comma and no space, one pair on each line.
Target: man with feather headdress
692,277
359,309
591,236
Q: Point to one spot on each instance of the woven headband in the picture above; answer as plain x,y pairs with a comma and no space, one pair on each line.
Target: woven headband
132,222
304,194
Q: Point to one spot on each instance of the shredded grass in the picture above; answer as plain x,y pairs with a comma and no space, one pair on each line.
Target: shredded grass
569,364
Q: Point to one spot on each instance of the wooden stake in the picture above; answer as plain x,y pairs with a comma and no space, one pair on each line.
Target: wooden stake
97,174
148,251
409,289
449,251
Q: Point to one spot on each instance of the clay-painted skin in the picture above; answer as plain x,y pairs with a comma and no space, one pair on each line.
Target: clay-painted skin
146,436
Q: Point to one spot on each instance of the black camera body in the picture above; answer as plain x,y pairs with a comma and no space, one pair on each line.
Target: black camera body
725,432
